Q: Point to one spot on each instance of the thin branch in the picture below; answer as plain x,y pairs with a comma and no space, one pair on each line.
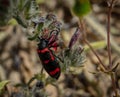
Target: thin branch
81,26
100,29
108,32
114,84
104,68
109,47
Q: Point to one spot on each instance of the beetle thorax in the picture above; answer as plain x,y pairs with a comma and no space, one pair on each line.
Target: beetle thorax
43,44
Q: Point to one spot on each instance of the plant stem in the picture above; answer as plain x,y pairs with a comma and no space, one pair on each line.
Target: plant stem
108,32
102,65
31,80
109,47
114,84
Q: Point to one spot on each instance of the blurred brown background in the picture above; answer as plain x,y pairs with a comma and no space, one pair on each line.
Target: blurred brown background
19,60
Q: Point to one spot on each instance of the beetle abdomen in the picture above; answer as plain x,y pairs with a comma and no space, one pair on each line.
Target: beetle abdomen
49,62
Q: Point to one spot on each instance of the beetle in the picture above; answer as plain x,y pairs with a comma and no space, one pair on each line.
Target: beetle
47,56
47,43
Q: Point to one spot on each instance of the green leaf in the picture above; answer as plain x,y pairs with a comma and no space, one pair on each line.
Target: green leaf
81,8
36,34
20,20
33,37
20,4
3,84
40,26
12,22
40,76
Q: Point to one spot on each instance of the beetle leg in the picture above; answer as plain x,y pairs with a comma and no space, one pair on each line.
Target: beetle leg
54,45
57,57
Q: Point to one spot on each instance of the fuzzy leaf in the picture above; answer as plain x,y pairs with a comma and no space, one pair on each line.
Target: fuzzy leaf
12,22
20,21
40,26
36,34
33,37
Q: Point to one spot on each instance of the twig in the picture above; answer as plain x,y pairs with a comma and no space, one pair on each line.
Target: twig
81,26
109,47
108,32
114,84
104,68
100,30
31,80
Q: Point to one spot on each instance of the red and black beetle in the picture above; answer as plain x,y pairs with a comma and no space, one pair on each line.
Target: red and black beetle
47,44
47,57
